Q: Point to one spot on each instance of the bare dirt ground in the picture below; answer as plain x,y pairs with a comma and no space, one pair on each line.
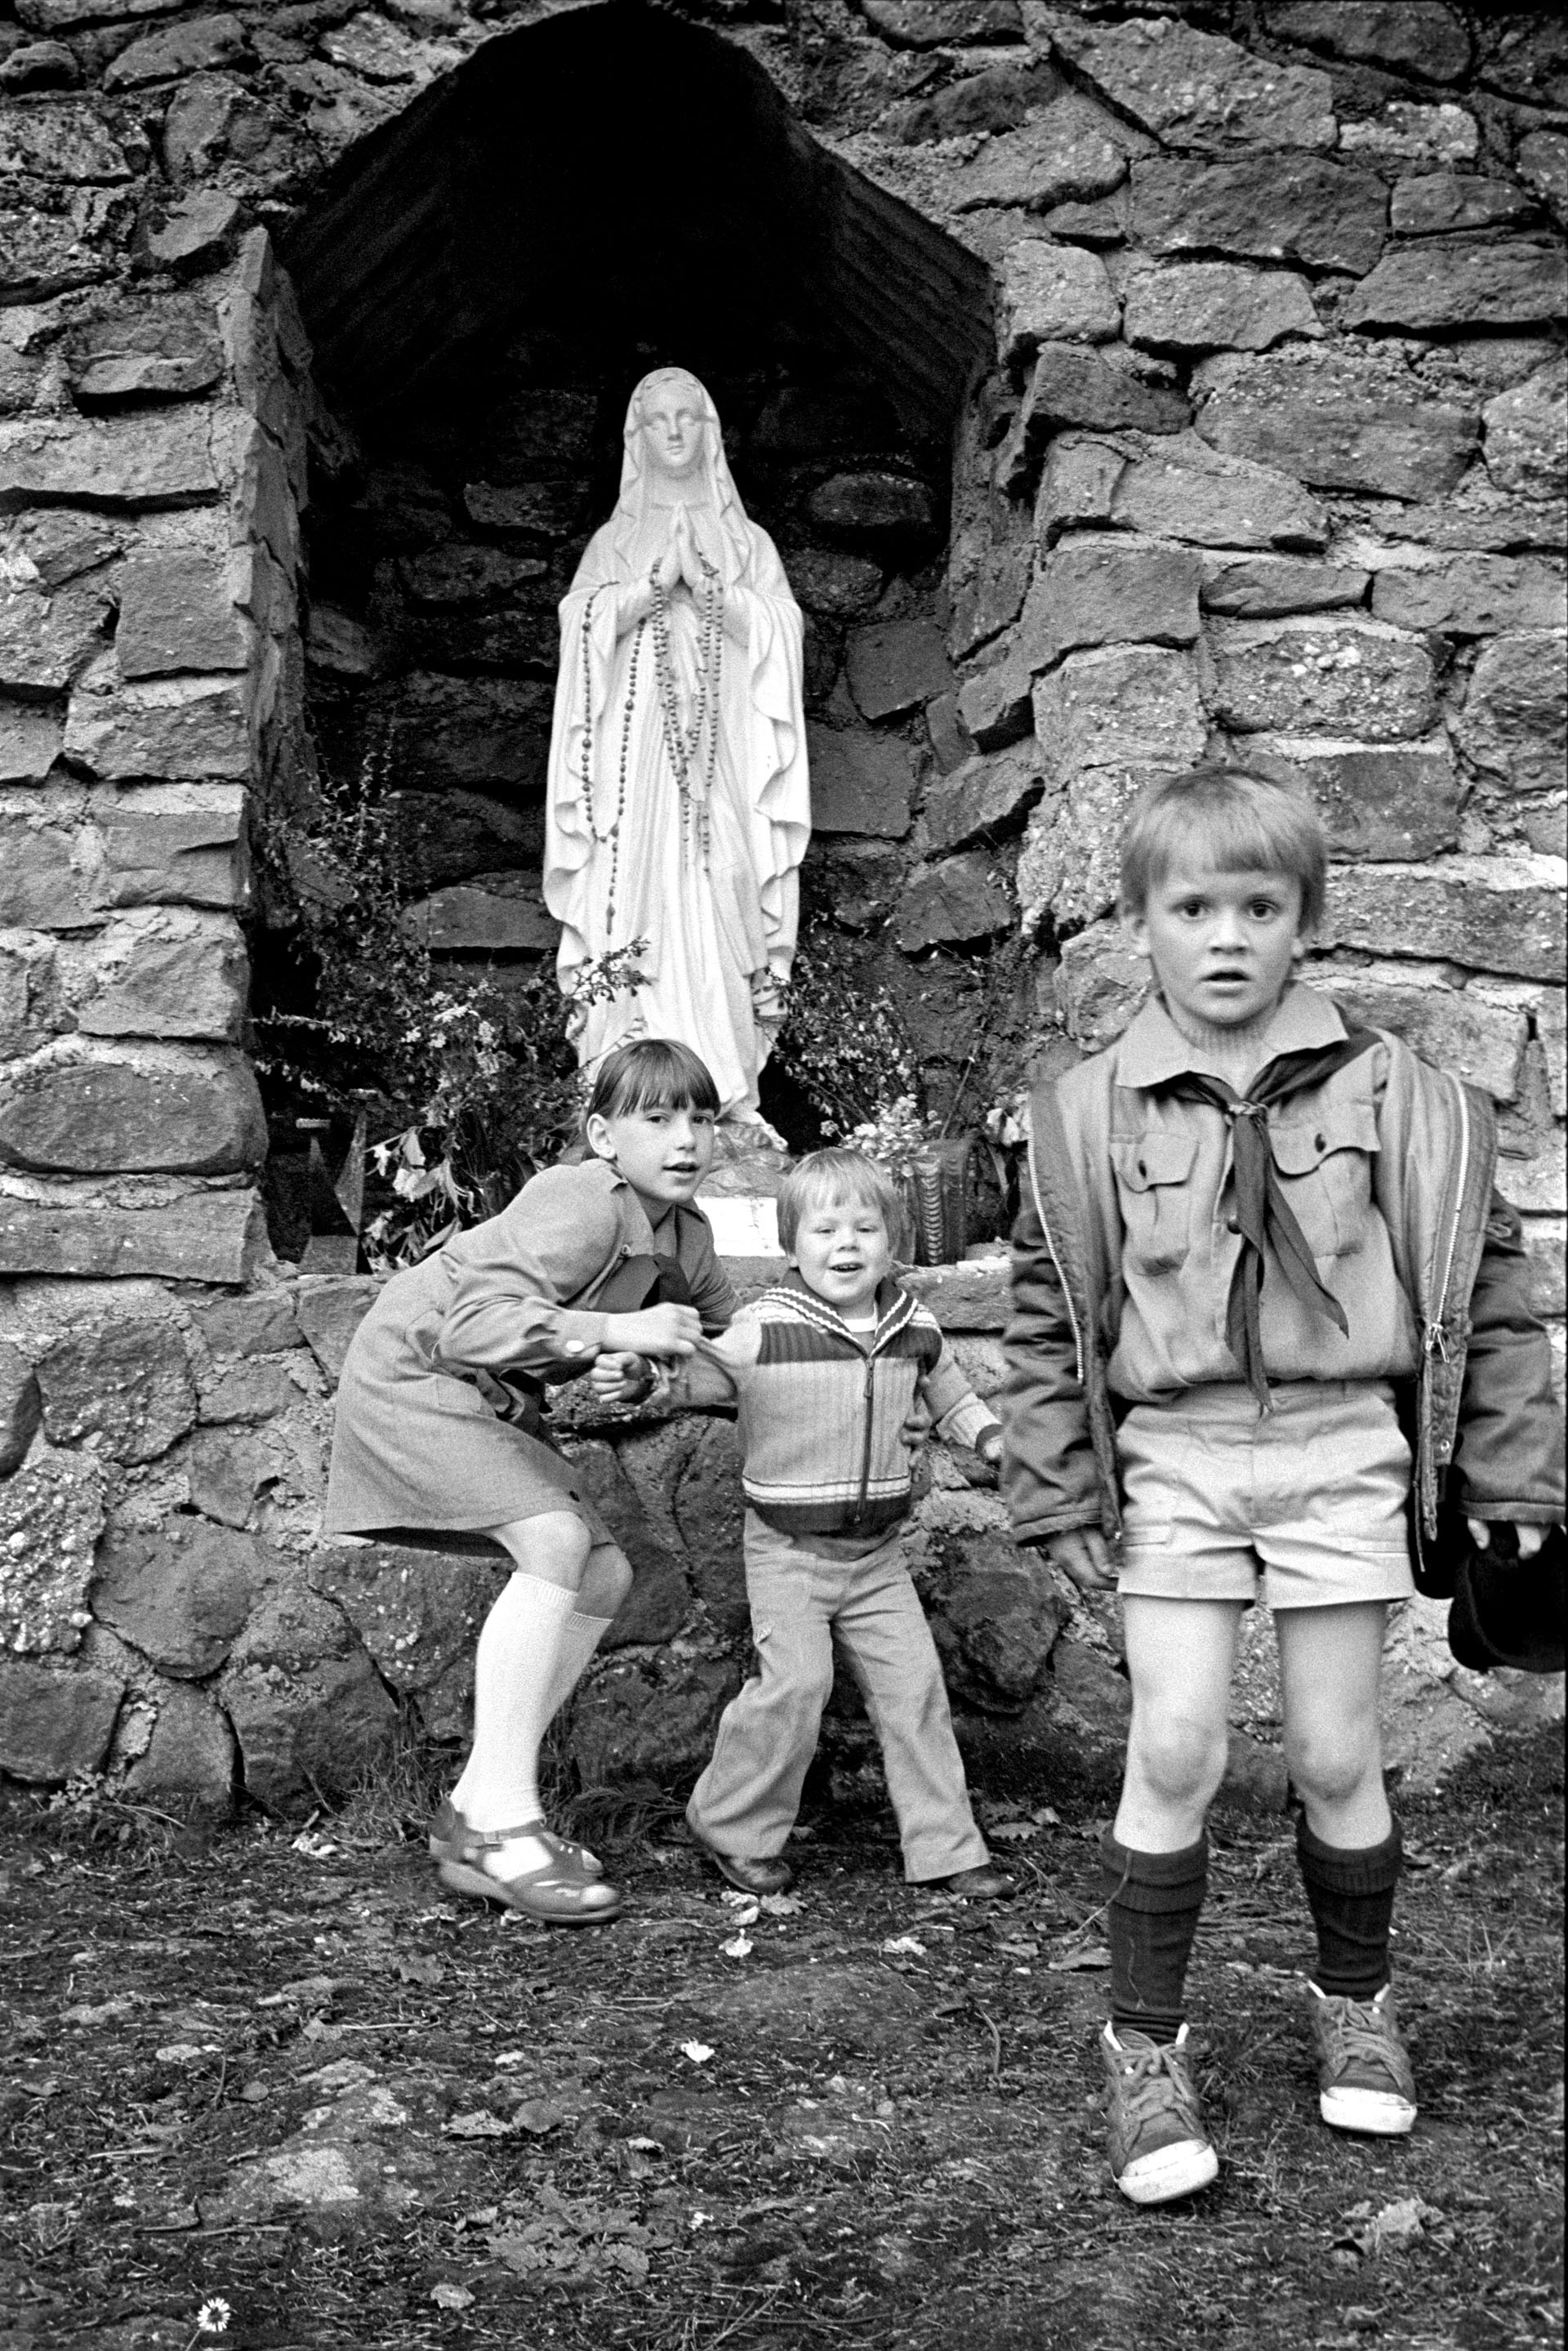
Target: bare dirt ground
270,2091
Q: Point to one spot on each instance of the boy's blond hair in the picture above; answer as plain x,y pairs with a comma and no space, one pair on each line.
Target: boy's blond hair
824,1176
1243,821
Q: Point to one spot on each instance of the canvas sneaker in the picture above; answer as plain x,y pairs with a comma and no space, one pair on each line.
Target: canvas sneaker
1158,2146
1364,2081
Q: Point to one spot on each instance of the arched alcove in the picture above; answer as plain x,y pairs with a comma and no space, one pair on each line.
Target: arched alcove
518,183
606,192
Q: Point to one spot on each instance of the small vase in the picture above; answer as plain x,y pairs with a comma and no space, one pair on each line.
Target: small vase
937,1189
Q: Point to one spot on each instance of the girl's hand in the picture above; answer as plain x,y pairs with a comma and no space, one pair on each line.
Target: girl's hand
669,569
1083,1556
667,1331
1530,1536
621,1377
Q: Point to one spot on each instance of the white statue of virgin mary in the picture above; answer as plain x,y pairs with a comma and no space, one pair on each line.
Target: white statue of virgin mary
678,808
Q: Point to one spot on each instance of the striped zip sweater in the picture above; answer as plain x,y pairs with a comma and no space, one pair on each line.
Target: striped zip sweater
830,1418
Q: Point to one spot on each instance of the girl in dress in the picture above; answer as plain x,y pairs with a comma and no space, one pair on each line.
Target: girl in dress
440,1424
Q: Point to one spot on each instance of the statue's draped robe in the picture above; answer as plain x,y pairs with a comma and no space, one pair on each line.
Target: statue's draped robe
713,921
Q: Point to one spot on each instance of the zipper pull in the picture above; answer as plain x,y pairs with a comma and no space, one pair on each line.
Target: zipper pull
1436,1341
867,1399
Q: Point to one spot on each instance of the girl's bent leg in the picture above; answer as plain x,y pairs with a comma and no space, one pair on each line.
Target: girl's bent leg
515,1672
606,1584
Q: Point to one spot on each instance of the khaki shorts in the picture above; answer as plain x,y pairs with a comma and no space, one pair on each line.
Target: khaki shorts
1303,1507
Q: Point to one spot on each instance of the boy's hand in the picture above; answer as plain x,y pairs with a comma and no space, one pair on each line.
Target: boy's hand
980,1467
1530,1536
621,1377
1083,1556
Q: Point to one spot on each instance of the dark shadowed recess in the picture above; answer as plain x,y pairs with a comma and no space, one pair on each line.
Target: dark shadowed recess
616,147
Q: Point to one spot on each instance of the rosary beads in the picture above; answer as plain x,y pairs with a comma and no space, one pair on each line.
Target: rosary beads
612,834
683,743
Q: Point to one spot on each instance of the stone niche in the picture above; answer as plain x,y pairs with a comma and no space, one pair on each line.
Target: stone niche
476,390
1120,392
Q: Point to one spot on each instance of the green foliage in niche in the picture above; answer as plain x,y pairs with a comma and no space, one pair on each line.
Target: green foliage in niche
842,1042
465,1089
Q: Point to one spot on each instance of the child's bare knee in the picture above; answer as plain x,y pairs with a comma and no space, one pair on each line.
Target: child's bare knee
1181,1758
1331,1767
607,1582
554,1546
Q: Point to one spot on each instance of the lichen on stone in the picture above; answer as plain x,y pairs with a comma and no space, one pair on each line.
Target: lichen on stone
51,1514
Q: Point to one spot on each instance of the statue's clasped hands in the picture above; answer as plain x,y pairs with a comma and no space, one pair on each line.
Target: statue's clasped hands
680,565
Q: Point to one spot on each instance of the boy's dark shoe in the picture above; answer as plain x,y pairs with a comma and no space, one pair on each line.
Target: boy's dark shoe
984,1883
759,1876
1364,2081
1160,2149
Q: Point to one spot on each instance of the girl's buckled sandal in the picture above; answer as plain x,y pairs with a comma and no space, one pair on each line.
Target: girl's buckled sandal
561,1891
577,1855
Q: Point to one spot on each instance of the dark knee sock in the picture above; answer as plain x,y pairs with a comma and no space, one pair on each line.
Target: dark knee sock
1351,1891
1152,1906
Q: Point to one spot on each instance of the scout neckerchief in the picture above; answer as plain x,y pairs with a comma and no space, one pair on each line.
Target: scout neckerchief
1262,1213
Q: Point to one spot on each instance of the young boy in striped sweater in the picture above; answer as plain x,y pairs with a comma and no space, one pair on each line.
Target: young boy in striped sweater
838,1372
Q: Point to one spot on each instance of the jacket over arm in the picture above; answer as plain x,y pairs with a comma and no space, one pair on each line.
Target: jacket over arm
1489,1428
1507,1450
1057,1467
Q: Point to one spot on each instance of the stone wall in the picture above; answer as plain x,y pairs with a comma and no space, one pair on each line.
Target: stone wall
1272,468
1265,454
151,465
174,1625
173,1621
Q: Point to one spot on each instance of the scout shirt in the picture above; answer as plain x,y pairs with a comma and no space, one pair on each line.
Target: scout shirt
1172,1163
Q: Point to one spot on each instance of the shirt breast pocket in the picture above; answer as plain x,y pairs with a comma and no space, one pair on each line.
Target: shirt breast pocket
1325,1164
1154,1177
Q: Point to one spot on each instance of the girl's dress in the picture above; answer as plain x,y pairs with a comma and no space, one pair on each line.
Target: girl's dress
439,1420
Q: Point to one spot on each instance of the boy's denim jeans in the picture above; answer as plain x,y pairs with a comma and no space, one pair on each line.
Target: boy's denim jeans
746,1801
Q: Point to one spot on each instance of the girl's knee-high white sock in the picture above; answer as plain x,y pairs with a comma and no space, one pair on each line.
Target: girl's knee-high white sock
515,1670
580,1637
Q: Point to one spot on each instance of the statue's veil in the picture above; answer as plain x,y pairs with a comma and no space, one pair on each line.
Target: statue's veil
639,535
